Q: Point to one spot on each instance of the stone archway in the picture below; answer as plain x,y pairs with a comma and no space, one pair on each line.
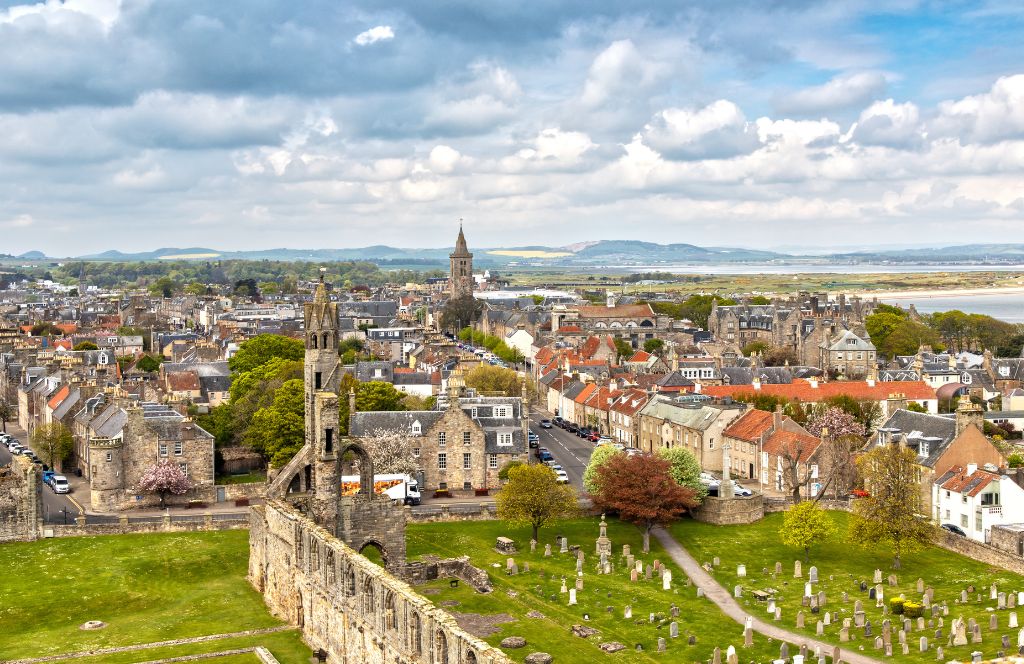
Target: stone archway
375,552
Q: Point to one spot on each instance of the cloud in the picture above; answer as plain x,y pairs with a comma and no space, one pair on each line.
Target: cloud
841,92
618,70
989,117
19,221
374,35
889,124
716,131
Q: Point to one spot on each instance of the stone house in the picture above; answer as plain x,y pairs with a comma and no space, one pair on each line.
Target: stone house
623,416
115,442
765,445
848,355
667,422
459,448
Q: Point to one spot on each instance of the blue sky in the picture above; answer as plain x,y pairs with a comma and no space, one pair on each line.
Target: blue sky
235,125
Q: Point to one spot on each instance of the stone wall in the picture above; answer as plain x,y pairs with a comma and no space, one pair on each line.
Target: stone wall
980,552
433,567
248,490
727,511
165,525
351,608
20,500
772,505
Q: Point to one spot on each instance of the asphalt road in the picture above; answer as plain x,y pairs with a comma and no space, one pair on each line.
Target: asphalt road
569,450
52,503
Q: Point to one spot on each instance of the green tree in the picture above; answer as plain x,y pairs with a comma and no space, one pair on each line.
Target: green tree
164,287
460,312
85,345
890,513
196,288
654,346
805,525
759,300
148,363
759,347
534,497
915,407
494,380
507,468
277,430
698,308
46,329
218,422
1015,460
623,349
53,443
245,382
684,469
598,457
377,395
263,348
6,412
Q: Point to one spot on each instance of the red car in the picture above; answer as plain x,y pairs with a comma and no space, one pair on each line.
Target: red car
594,437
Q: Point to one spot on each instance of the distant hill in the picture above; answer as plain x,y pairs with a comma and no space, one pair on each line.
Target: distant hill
957,253
33,256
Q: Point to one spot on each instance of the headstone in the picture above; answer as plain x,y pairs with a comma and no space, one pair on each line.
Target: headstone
976,657
666,580
716,656
858,619
784,651
828,618
649,573
630,561
844,597
533,546
1001,601
715,561
565,545
572,596
920,585
904,649
844,634
1011,601
812,574
661,644
1005,641
547,550
993,591
879,643
901,636
1020,639
858,606
778,567
674,611
673,630
939,655
579,583
819,628
871,593
797,573
650,618
963,596
579,565
958,632
639,566
563,589
1020,598
737,591
628,613
920,623
514,570
771,606
625,550
1013,619
993,623
878,576
741,571
748,637
807,589
778,613
799,619
867,628
526,567
730,655
632,575
700,592
892,580
923,644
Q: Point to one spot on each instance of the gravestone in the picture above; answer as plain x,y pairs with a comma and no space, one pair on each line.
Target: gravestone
920,585
661,644
993,591
828,618
673,630
666,580
563,589
878,576
1001,601
737,591
819,628
799,619
533,546
526,567
628,612
630,561
1011,601
797,573
632,575
844,634
715,561
730,655
741,571
579,583
778,613
700,592
784,651
858,619
572,596
1013,619
547,550
807,589
625,550
867,628
748,637
892,579
939,655
821,598
922,645
565,545
716,656
993,623
812,574
778,567
958,632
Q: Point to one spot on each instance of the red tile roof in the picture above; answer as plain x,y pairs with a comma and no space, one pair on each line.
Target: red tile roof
792,444
585,393
962,481
183,381
630,402
59,396
640,356
749,426
801,390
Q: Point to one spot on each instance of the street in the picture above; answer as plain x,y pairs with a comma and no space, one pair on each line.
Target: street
55,506
569,450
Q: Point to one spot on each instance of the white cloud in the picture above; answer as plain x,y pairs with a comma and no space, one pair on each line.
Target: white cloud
716,131
889,124
443,159
617,71
54,11
19,221
843,91
988,117
374,35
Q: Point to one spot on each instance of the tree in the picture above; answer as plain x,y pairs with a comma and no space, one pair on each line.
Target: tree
889,513
654,346
164,287
641,490
6,412
598,457
533,496
759,347
489,379
623,349
262,348
53,442
165,478
85,345
507,468
759,300
460,312
391,452
148,363
277,430
684,469
915,407
377,395
837,421
196,288
46,329
805,525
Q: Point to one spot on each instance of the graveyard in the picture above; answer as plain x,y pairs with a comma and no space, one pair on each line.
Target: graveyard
610,609
843,593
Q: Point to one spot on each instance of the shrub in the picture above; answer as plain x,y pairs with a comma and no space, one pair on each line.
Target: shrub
912,609
896,605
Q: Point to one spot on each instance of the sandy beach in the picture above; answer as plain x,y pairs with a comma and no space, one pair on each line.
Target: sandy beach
927,293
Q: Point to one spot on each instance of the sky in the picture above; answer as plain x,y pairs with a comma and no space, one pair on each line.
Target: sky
252,124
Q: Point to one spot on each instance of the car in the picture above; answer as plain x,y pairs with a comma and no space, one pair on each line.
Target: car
708,478
59,484
15,448
583,432
534,444
594,437
955,529
553,465
558,421
544,454
742,491
561,477
532,435
545,424
572,427
48,476
31,456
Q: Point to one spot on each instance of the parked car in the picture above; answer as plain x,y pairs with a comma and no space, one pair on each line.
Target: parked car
561,477
544,454
583,432
572,427
737,490
604,440
532,436
545,424
594,437
955,529
708,478
59,484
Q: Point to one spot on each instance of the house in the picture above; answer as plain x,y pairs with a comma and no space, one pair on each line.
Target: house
623,416
774,450
668,422
977,499
848,355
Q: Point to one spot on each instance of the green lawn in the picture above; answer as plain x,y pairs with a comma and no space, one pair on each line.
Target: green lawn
758,547
698,616
147,588
287,647
247,478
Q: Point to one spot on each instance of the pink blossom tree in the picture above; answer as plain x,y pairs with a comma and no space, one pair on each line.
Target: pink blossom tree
165,478
837,421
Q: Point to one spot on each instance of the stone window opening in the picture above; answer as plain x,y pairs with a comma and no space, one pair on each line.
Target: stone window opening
350,583
369,599
313,341
161,446
440,648
467,437
331,568
329,441
317,380
416,634
467,461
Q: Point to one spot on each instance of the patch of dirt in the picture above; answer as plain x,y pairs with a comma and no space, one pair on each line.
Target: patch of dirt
430,591
480,625
450,602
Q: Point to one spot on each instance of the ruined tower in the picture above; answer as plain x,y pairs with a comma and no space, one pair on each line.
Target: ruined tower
460,283
322,381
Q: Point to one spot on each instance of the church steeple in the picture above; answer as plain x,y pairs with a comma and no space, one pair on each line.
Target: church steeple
460,283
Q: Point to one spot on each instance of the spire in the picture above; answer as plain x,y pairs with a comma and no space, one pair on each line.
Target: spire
320,297
460,244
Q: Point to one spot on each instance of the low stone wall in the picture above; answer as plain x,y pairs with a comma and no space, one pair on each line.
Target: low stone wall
728,511
465,512
249,491
432,567
981,552
351,608
125,526
772,505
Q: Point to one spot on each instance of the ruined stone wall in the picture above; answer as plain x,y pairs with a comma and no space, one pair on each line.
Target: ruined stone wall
20,500
346,605
723,511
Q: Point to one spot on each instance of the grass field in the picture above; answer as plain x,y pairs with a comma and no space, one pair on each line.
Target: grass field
758,546
247,478
534,591
147,588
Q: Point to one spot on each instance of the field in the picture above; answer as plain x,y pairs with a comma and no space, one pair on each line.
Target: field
146,588
841,566
538,590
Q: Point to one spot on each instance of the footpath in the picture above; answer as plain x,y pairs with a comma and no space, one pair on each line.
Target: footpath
724,600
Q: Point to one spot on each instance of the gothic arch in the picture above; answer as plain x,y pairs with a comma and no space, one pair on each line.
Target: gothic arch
365,466
372,543
440,647
313,340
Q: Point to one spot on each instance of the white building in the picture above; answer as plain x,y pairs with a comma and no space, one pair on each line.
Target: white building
975,499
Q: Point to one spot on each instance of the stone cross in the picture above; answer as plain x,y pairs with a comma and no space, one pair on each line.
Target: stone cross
533,546
547,550
564,589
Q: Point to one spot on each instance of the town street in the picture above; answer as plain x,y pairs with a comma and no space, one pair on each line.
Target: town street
569,450
55,506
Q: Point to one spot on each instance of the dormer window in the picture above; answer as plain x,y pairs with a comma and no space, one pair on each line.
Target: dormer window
1004,371
417,428
924,449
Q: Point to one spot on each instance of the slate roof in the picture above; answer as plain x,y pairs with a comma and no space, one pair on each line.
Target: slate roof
937,431
699,418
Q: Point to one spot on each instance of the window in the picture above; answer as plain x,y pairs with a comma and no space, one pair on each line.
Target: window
963,520
473,412
466,438
442,438
711,443
184,467
442,461
110,457
504,439
179,448
417,428
502,411
317,377
162,447
947,514
492,461
329,441
467,461
416,452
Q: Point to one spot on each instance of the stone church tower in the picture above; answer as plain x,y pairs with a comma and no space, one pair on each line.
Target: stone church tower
460,283
322,381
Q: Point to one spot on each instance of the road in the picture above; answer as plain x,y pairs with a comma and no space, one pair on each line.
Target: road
55,506
569,450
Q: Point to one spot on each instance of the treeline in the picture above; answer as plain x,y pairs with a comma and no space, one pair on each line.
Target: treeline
894,332
181,274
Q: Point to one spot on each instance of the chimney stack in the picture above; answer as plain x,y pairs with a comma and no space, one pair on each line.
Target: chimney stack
968,413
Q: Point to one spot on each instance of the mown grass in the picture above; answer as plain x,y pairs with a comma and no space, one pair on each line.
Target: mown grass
842,565
146,587
539,590
287,647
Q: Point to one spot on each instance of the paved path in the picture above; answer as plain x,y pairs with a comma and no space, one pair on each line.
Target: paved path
724,600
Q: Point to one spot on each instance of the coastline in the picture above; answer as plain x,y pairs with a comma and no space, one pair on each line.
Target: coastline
929,293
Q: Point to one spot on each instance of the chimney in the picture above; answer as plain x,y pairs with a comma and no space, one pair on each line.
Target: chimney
777,417
968,413
756,383
971,469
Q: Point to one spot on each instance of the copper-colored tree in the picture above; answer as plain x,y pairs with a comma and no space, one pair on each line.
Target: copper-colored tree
641,490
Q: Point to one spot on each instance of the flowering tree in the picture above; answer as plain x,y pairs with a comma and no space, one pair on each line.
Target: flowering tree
838,422
165,478
391,452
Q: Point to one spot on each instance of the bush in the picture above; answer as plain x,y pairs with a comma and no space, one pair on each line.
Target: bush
896,605
912,609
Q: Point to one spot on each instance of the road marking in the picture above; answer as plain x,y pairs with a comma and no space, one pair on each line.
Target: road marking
81,510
